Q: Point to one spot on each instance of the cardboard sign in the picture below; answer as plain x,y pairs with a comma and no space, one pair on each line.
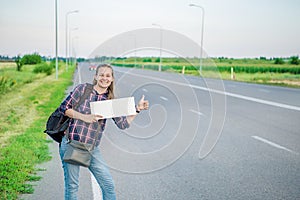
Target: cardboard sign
114,108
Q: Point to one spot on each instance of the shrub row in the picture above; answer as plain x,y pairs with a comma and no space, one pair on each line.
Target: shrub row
255,69
237,69
43,68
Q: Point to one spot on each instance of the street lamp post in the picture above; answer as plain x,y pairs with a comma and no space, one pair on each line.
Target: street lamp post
67,14
160,44
202,30
70,36
56,42
73,52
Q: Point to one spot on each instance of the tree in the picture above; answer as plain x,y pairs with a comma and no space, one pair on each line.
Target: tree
262,58
295,60
31,59
19,63
278,61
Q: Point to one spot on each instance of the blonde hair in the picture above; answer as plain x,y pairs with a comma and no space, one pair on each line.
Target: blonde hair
110,89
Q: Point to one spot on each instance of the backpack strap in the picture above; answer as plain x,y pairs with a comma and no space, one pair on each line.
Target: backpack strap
87,91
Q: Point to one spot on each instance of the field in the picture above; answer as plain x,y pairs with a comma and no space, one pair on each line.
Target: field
246,70
26,101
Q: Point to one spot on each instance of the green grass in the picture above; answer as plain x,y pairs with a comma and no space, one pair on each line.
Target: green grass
11,78
25,110
245,70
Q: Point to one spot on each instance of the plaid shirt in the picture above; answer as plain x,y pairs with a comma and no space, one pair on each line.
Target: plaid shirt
80,130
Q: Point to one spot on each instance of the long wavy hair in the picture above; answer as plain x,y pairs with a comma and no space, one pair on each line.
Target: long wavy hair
111,88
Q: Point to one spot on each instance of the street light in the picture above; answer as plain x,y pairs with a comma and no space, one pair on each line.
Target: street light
160,43
70,36
73,52
67,14
56,41
202,30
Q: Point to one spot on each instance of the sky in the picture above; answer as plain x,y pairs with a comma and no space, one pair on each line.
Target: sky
232,28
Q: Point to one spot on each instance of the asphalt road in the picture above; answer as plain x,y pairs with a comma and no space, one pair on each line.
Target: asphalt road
200,139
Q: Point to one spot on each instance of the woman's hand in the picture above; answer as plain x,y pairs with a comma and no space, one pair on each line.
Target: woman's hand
86,118
143,104
91,118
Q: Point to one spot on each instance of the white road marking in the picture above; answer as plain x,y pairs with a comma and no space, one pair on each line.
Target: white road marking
145,90
272,143
271,103
164,98
95,187
197,112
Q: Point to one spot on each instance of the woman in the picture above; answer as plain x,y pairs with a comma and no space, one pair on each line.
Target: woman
83,127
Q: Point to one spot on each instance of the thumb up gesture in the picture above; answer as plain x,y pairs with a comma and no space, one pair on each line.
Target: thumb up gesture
143,104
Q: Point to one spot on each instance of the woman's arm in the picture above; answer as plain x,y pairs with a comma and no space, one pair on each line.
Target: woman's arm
124,122
74,97
89,118
142,105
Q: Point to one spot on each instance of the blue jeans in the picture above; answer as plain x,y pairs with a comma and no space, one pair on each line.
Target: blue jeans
98,169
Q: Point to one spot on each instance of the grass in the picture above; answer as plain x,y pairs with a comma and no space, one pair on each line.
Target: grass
24,112
8,65
245,70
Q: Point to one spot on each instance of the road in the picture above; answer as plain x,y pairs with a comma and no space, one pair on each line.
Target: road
195,142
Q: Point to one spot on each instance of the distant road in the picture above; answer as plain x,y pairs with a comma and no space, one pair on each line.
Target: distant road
256,154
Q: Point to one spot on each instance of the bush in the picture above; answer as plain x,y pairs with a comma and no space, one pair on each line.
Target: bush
262,58
157,60
31,59
278,61
43,68
147,60
295,60
60,64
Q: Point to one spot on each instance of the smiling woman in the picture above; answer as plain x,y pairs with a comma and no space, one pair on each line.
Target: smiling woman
104,80
87,129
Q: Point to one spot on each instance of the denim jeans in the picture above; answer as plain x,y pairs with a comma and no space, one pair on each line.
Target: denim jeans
98,169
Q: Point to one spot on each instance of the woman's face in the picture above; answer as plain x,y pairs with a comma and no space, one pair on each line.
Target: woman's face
104,77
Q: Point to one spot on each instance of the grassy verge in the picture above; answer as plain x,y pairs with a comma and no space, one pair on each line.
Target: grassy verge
25,110
245,70
10,78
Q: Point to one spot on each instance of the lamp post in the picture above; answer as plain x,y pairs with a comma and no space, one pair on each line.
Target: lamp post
73,52
56,42
202,30
67,14
160,43
70,36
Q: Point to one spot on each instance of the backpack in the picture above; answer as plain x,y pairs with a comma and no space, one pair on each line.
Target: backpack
57,123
